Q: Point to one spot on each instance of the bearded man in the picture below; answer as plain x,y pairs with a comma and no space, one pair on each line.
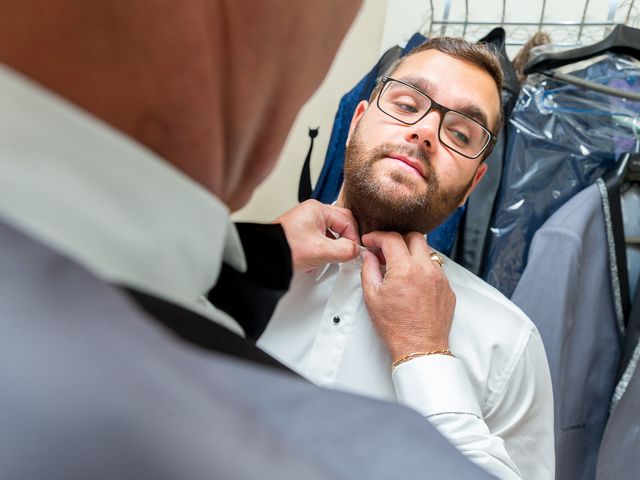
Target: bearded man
404,323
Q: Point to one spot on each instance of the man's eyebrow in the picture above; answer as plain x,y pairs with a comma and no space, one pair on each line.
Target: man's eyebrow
475,112
421,84
469,109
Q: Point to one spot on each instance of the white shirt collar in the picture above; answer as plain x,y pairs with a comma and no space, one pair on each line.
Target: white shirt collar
320,272
109,203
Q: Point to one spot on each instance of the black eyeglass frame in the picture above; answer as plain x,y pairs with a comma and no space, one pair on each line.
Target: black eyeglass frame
440,108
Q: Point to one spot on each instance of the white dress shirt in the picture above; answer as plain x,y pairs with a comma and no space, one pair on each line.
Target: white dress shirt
493,400
94,194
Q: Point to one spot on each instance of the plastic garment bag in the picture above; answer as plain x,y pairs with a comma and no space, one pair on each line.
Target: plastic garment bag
561,138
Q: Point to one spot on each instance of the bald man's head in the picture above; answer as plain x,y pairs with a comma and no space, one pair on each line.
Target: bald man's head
212,86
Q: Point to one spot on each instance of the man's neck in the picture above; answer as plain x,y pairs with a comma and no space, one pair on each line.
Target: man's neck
363,226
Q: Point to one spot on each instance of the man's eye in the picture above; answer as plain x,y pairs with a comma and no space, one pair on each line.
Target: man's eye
405,107
459,137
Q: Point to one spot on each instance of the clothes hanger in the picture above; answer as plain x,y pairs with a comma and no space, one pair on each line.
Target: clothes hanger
622,39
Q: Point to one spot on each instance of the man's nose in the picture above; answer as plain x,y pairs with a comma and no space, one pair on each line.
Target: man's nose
425,132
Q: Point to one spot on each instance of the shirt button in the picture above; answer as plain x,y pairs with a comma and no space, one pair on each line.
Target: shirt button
336,319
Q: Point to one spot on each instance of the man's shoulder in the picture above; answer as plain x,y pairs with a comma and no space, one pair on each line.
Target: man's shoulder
481,307
79,358
490,334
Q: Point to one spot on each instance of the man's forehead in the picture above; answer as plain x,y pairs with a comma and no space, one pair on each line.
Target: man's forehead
429,64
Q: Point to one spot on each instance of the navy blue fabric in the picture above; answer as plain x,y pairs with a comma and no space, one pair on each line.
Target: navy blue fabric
331,175
561,138
442,238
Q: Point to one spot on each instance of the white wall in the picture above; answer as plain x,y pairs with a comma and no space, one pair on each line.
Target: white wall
384,23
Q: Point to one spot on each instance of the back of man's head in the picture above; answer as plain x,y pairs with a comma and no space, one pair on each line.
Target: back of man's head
212,87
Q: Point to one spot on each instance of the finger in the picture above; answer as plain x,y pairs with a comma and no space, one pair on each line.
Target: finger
370,274
417,244
378,253
342,222
419,249
391,244
346,211
340,250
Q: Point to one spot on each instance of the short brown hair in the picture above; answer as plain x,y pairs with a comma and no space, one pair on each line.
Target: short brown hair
478,54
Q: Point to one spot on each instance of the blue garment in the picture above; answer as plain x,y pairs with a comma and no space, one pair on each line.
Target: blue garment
561,138
331,176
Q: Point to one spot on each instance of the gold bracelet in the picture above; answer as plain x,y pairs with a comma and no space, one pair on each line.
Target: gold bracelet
413,355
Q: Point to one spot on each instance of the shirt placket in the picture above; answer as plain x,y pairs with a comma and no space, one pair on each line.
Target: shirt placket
336,325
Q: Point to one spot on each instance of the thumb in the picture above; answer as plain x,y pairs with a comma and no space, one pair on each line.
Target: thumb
342,249
371,275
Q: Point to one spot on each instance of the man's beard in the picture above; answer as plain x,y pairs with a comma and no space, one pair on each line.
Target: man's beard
402,207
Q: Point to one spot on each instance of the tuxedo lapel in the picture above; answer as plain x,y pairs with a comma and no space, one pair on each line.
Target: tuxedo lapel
205,333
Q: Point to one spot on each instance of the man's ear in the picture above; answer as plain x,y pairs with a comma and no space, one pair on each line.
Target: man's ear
357,115
480,171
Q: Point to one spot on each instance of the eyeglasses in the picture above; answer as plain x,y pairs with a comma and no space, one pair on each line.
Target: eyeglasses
407,104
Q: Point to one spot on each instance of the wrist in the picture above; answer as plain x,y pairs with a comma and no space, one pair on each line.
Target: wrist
411,356
407,348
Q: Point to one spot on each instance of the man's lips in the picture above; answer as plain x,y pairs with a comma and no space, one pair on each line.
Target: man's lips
412,162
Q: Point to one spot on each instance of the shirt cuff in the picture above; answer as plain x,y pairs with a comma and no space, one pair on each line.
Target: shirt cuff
435,384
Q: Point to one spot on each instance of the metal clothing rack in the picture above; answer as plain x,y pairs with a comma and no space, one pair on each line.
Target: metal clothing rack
458,20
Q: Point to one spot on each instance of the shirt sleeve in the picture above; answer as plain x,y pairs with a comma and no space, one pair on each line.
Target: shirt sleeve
512,439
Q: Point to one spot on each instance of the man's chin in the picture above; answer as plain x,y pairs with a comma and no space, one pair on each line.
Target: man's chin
394,190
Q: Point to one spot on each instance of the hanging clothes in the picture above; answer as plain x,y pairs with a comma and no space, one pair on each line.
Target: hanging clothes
631,216
561,138
570,290
631,347
630,352
629,185
472,232
618,456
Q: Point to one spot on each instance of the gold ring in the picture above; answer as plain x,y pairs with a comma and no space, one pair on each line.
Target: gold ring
435,256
